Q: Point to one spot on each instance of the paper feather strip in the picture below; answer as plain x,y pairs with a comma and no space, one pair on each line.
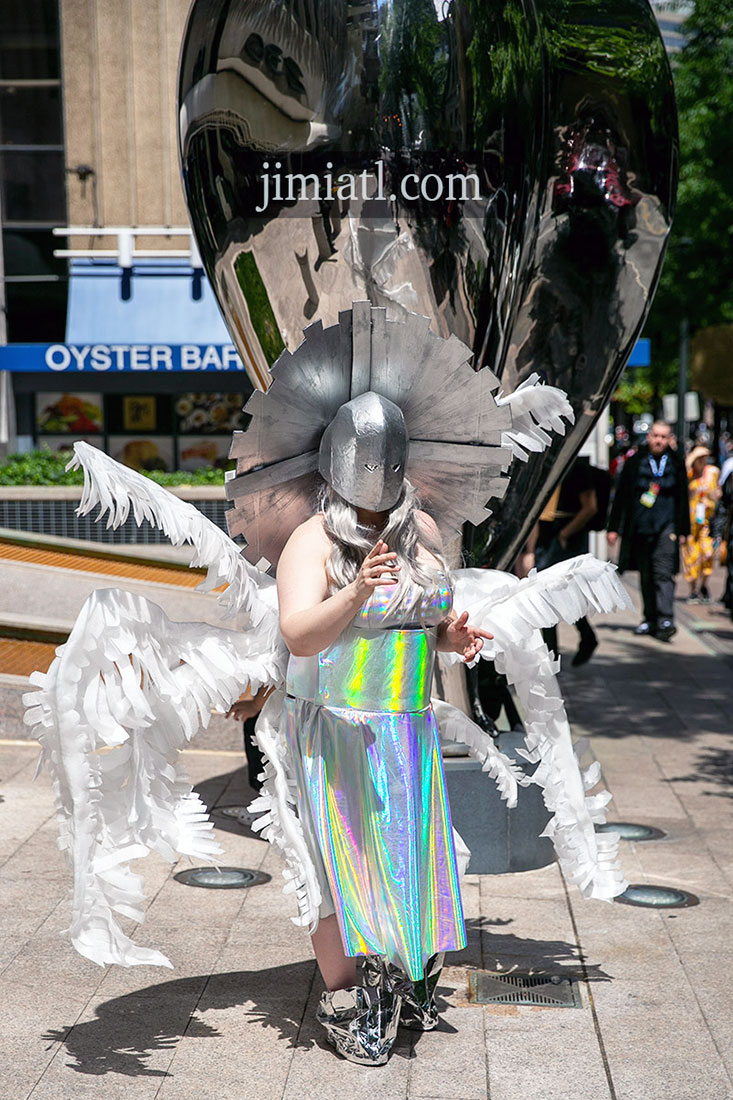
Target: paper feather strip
123,696
514,612
537,411
119,491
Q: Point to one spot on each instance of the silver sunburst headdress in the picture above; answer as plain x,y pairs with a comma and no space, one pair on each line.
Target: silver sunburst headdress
461,436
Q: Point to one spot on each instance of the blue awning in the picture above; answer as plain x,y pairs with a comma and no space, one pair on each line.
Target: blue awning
156,302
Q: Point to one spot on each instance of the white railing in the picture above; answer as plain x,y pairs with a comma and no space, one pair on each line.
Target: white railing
126,252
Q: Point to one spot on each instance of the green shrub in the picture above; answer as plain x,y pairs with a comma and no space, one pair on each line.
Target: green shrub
44,467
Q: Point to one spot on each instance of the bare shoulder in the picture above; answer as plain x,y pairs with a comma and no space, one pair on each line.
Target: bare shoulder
427,524
308,538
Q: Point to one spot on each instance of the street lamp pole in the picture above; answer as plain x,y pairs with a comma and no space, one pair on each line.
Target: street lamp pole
682,383
684,244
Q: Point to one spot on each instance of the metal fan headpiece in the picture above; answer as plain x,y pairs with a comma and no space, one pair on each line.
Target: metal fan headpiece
454,426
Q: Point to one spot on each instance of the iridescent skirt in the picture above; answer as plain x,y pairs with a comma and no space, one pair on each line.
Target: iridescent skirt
374,811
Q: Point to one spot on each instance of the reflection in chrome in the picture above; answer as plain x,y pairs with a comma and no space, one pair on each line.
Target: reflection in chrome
505,167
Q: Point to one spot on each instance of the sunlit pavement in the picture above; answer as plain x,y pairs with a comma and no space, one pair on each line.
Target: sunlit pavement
235,1017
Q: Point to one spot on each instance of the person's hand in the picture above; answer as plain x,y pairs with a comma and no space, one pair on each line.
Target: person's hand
378,568
563,540
612,537
460,637
244,708
682,539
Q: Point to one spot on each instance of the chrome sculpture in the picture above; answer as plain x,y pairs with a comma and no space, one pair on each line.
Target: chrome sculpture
505,167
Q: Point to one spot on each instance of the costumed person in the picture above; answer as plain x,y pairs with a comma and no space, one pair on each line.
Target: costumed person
651,514
368,415
698,551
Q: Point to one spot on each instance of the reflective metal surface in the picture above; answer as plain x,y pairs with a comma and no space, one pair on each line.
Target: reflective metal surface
505,167
221,878
627,830
657,897
361,1022
419,1010
454,425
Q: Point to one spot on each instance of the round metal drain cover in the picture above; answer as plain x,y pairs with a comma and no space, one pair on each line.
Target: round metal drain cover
656,897
223,878
240,814
627,830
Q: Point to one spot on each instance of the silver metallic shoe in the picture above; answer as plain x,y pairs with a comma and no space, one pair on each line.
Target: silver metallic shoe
419,1010
361,1022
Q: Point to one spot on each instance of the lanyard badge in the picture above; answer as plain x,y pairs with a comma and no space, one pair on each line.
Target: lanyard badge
649,497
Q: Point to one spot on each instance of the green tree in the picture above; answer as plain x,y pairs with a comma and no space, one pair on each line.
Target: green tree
697,281
413,65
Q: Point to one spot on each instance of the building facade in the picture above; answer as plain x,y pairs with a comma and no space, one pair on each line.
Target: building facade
112,333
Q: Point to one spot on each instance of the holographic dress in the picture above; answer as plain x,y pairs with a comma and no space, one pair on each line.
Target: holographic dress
371,791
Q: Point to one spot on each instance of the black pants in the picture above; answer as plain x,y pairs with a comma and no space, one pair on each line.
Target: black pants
489,691
656,560
255,761
586,635
549,555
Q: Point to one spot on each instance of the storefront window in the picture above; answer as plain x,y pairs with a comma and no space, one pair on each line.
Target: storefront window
72,413
147,431
143,452
204,413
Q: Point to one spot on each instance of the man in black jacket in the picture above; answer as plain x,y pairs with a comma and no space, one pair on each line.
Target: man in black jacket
651,513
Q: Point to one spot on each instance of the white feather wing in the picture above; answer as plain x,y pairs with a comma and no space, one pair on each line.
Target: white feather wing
454,725
278,820
123,696
514,612
537,410
118,491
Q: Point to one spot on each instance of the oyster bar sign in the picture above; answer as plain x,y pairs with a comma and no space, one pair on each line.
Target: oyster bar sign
104,358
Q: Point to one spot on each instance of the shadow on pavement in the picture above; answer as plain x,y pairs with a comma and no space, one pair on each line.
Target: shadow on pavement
128,1030
714,766
657,691
228,789
507,952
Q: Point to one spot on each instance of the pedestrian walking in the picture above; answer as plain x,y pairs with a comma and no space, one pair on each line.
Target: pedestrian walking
697,553
651,514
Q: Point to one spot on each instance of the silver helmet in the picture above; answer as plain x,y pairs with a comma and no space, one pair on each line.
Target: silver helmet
363,452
